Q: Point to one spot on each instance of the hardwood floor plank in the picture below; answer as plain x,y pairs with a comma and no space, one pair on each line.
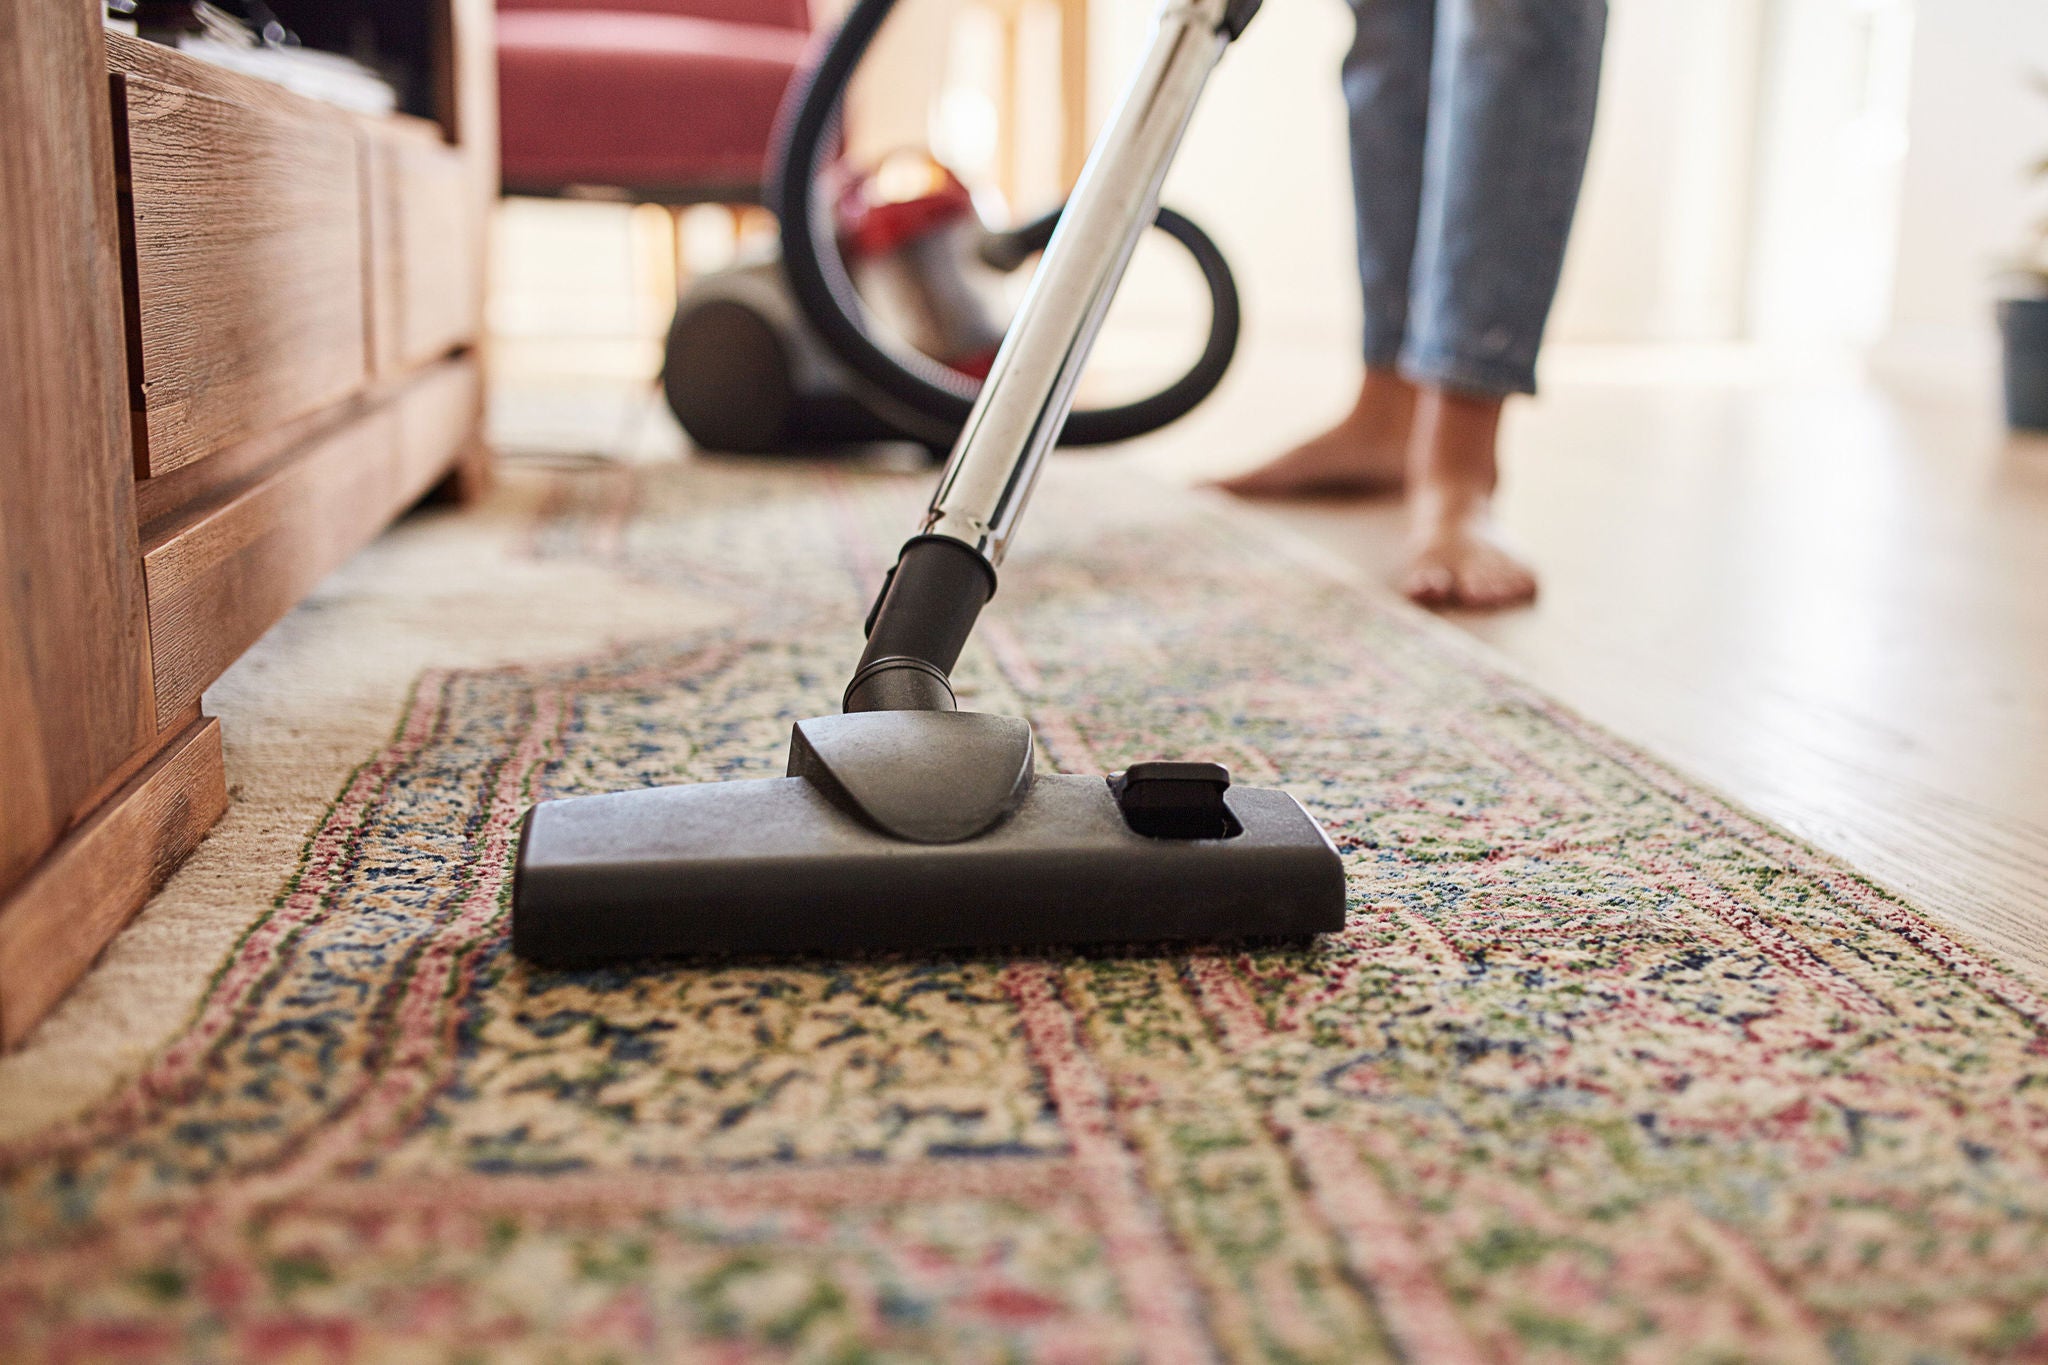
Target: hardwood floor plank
1821,597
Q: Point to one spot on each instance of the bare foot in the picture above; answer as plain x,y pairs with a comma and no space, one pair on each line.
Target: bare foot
1454,558
1363,455
1462,565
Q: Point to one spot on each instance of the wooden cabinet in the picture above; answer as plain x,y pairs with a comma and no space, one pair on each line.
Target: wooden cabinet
247,232
426,287
74,647
248,327
222,579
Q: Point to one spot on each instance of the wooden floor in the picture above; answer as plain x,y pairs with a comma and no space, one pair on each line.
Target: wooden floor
1826,599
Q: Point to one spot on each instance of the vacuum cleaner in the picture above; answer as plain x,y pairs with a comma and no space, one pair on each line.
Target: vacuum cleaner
905,823
759,362
742,371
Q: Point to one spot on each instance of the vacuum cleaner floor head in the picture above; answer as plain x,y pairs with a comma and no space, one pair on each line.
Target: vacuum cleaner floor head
842,856
905,823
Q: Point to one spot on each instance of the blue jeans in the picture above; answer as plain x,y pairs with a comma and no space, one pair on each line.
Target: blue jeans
1469,126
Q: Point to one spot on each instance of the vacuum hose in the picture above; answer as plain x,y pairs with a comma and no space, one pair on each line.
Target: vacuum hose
931,398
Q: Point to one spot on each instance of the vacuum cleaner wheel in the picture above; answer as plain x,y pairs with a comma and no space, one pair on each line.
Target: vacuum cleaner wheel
727,377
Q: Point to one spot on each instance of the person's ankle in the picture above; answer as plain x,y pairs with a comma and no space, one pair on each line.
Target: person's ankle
1439,506
1452,467
1455,558
1385,399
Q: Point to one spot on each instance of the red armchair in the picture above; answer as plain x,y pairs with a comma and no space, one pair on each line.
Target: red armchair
671,101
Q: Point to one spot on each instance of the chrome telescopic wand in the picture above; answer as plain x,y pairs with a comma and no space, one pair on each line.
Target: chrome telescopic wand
1030,387
929,604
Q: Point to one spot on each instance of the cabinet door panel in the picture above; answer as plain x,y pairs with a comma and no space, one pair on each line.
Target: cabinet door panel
250,277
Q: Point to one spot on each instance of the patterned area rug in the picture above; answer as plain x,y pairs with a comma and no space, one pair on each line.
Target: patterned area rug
1601,1069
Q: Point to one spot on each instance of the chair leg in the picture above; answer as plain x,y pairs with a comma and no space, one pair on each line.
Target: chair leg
679,245
751,222
1074,131
1009,21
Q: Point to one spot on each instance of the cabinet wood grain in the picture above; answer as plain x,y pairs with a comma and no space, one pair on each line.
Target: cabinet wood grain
57,922
195,425
248,259
220,581
426,290
74,652
439,418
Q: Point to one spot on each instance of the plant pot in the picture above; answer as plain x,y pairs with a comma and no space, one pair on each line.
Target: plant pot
2024,323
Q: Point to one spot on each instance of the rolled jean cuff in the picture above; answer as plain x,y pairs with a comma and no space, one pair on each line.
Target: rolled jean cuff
1491,378
1382,353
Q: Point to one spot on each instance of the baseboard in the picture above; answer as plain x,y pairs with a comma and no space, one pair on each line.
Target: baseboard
95,880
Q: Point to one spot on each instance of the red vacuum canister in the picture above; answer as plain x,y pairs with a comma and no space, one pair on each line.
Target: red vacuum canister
744,375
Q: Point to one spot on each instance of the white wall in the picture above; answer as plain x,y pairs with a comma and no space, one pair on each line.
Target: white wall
1266,166
1973,128
1833,137
1811,172
1661,243
1660,249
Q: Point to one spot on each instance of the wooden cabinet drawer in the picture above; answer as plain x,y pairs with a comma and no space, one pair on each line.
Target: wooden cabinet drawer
219,582
438,417
426,284
248,255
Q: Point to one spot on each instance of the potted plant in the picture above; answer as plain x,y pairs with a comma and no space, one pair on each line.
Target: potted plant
2023,321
